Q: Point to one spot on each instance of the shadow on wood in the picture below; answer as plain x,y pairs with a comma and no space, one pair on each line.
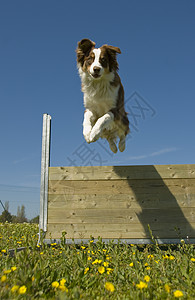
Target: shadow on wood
167,204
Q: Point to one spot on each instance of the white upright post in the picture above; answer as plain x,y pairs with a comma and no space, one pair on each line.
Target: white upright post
45,161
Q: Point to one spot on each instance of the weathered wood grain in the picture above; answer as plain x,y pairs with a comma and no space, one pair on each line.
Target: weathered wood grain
120,202
122,172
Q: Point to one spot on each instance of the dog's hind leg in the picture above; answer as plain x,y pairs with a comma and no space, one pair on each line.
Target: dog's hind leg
122,143
112,145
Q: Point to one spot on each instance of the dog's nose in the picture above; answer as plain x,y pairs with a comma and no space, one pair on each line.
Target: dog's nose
96,70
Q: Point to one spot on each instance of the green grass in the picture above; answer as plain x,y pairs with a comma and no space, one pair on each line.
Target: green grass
93,271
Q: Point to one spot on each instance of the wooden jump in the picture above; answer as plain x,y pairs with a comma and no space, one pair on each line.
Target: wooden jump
118,202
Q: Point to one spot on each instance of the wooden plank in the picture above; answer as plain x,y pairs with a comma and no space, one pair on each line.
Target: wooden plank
134,187
122,216
116,231
122,172
122,201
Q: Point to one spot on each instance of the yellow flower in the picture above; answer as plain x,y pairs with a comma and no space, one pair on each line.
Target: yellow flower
171,257
55,284
3,278
62,281
63,288
53,244
109,287
106,264
33,278
109,270
13,268
192,259
146,264
165,257
131,264
178,294
167,288
142,285
101,270
148,268
95,262
150,256
22,290
41,253
147,278
82,247
86,270
14,288
7,271
89,258
3,251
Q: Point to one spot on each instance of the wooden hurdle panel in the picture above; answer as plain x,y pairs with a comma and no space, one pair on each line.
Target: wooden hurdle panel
126,203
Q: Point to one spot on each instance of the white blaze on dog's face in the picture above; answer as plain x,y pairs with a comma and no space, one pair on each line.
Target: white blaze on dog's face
96,61
96,70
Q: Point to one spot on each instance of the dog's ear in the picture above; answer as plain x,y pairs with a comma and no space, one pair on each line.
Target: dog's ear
112,49
112,52
83,49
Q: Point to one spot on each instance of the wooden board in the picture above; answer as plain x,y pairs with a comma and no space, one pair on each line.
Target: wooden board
120,202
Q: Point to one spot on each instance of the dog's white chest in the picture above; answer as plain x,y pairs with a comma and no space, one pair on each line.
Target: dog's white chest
100,96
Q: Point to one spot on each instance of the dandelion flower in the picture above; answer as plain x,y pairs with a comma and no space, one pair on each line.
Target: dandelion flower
101,270
55,284
171,257
62,281
109,287
150,256
3,251
82,247
86,270
3,278
167,288
178,294
95,262
89,258
192,259
14,288
22,290
147,278
142,285
63,288
109,270
106,264
7,271
131,264
13,268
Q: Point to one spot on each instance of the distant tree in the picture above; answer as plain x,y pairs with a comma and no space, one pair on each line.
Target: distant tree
21,215
5,216
35,220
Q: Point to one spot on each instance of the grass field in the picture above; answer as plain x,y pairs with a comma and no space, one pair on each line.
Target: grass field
92,271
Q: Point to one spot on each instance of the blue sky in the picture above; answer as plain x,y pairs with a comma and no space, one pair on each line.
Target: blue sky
38,75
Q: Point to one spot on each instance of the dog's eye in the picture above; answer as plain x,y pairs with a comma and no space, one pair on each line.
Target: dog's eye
90,60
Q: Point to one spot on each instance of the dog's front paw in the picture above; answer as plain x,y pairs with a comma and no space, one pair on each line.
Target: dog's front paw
86,134
95,134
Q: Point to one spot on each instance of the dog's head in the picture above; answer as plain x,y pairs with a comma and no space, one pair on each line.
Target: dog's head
96,61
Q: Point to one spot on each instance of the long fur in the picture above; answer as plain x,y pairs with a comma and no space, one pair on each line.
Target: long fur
105,115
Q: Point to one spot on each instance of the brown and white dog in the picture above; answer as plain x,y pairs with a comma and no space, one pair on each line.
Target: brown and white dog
105,115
